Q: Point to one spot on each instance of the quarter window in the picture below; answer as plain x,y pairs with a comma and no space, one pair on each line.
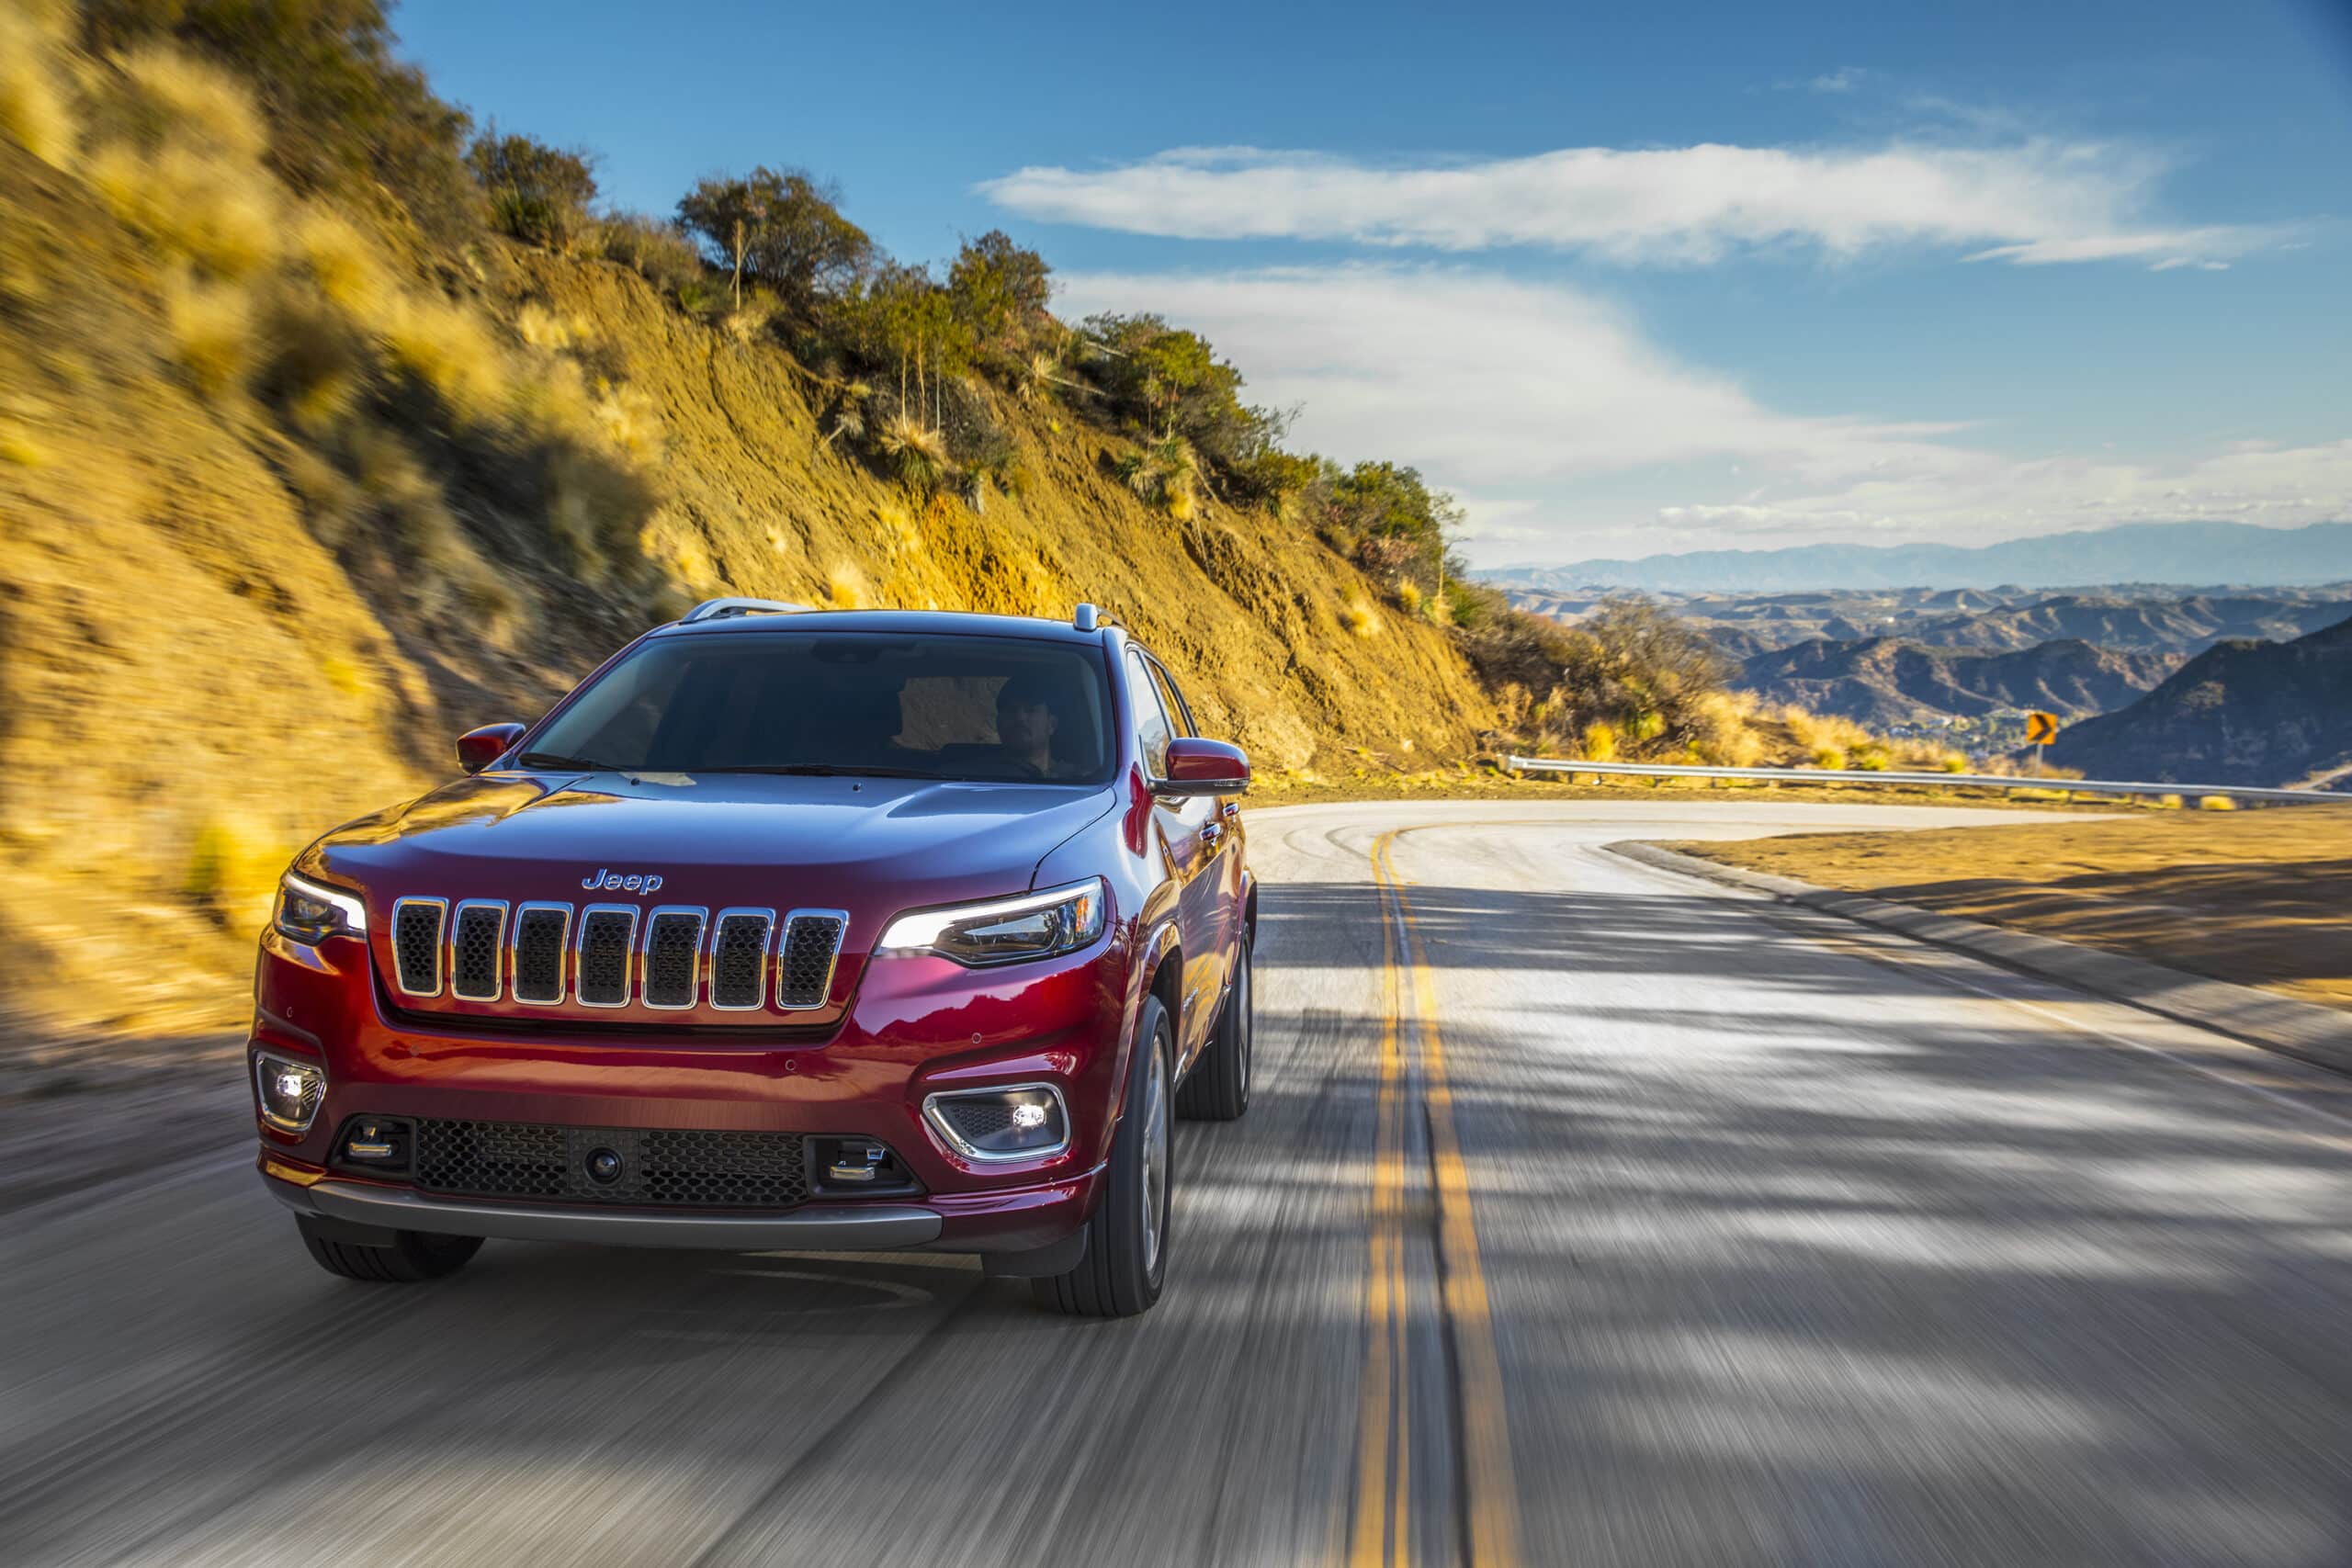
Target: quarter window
1180,714
1151,720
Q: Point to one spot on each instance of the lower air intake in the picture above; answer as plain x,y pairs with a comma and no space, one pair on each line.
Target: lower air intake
653,1167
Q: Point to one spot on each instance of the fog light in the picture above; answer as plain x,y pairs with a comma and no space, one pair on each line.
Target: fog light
1019,1122
289,1091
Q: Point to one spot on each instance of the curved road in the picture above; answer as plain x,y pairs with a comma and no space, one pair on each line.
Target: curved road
1586,1215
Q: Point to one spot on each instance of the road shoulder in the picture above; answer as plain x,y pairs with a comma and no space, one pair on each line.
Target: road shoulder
2317,1034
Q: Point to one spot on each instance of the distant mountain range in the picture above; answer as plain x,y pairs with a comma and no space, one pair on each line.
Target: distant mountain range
2177,553
1888,681
2243,713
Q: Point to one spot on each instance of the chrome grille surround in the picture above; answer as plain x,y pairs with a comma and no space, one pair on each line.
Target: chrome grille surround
671,964
416,944
477,950
739,959
806,955
603,967
537,959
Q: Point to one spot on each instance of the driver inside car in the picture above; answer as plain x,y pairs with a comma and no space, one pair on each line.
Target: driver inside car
1026,721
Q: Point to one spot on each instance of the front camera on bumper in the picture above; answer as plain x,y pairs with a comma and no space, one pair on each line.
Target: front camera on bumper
288,1090
1021,1122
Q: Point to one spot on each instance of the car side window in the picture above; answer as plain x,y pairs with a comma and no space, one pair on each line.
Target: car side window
1151,720
1180,713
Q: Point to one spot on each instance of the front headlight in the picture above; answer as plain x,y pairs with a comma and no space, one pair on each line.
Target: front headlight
309,912
1003,931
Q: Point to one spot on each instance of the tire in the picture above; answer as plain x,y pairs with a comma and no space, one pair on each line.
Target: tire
414,1256
1127,1242
1218,1088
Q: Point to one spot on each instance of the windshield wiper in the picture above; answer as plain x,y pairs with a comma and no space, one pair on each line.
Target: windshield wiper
549,761
818,771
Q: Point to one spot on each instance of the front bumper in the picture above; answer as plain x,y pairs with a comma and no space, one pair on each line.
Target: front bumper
1008,1220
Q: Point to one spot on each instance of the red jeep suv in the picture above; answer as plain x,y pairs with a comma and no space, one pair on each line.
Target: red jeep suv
789,929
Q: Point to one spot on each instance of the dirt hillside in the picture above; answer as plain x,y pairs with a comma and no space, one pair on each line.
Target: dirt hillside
226,625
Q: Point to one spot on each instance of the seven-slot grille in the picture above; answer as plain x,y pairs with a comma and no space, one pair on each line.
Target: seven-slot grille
609,955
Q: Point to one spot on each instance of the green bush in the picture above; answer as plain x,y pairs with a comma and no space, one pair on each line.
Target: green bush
537,193
659,252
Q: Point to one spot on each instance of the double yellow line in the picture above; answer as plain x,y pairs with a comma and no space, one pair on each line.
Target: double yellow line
1380,1532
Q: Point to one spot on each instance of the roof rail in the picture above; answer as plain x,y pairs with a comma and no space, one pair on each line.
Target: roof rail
719,609
1087,618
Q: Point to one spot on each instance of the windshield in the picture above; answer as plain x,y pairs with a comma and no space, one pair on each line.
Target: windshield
989,709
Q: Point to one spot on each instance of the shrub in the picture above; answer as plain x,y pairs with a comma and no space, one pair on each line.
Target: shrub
659,252
317,365
1831,756
1598,743
2216,802
1359,617
537,193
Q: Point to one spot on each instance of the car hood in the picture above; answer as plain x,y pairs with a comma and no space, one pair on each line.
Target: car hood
861,845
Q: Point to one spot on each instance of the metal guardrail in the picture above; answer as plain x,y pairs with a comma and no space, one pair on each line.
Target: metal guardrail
1970,780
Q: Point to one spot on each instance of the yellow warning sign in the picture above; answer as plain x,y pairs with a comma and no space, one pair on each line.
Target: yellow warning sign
2040,729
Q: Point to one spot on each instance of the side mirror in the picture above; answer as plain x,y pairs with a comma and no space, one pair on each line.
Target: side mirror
1203,767
478,749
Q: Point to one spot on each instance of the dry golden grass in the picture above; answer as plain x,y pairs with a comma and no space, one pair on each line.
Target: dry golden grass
844,587
195,204
207,103
1598,743
19,447
232,869
343,264
1358,617
212,330
450,349
36,112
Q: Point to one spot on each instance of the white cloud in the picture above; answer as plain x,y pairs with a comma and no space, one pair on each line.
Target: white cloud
1843,80
1561,424
2027,201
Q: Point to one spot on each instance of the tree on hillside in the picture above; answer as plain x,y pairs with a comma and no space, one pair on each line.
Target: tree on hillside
536,192
781,228
1385,515
999,291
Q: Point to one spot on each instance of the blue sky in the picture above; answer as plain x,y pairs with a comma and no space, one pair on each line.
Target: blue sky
1627,278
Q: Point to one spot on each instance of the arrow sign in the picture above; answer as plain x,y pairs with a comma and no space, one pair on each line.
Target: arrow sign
2040,729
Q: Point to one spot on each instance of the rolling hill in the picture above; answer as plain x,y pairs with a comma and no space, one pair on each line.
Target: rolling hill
2243,713
1884,681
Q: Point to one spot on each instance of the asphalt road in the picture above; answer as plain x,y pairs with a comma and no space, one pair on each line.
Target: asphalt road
1586,1215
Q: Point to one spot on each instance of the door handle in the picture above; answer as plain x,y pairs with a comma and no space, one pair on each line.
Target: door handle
1212,832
